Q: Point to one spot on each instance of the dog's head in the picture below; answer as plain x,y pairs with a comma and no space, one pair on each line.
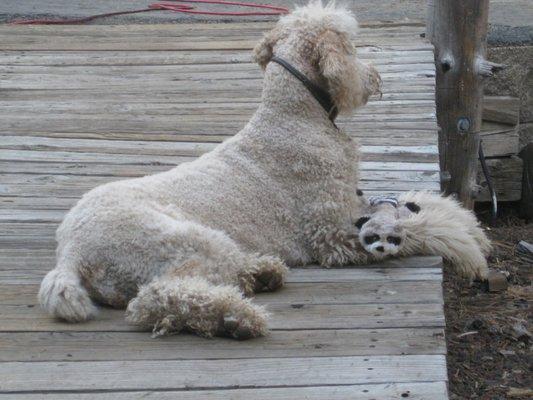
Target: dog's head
381,232
317,38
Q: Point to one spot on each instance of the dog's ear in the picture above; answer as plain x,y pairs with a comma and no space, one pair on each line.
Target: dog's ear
413,207
349,81
263,50
361,221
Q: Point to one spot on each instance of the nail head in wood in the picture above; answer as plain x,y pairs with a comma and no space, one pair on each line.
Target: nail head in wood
463,125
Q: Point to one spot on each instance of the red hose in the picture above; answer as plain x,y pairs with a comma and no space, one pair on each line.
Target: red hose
169,5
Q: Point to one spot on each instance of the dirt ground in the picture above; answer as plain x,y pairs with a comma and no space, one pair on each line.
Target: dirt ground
489,334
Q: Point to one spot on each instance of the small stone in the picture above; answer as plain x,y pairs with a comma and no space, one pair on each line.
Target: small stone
519,392
520,332
475,324
496,281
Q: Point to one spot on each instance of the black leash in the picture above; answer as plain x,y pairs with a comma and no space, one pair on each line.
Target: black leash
321,95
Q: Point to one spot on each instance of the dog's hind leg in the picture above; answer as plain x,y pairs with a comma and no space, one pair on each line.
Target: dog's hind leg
170,304
264,274
220,260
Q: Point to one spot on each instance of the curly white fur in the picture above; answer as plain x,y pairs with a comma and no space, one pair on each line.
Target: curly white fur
444,227
191,237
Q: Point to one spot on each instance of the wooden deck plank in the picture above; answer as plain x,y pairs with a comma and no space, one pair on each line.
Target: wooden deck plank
186,109
394,268
188,29
163,126
19,267
191,30
111,346
394,154
41,42
29,317
305,293
31,179
267,372
81,58
245,68
400,91
388,391
372,171
75,186
193,149
23,272
222,81
134,37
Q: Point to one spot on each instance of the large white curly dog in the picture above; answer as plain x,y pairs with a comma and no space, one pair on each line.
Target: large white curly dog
199,235
180,248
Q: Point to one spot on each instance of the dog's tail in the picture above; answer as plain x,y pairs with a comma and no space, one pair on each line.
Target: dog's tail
63,295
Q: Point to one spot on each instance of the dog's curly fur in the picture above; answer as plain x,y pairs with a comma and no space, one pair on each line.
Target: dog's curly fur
197,238
426,223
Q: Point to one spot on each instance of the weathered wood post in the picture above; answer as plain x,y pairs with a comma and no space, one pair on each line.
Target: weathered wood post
458,30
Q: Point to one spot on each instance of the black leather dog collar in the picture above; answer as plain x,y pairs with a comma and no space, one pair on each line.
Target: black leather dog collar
321,95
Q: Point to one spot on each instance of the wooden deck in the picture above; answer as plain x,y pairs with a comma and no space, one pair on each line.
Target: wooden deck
84,105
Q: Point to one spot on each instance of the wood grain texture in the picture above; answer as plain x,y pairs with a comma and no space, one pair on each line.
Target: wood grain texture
84,105
28,266
109,346
506,174
29,317
266,372
499,139
385,391
304,293
458,29
502,109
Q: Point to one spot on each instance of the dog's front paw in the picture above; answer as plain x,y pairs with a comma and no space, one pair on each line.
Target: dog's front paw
270,274
337,248
169,325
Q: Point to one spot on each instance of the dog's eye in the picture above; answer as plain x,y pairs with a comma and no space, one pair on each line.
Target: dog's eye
394,240
413,207
361,221
371,239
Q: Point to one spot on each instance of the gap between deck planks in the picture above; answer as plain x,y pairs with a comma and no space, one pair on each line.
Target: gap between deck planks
388,391
116,346
242,373
86,105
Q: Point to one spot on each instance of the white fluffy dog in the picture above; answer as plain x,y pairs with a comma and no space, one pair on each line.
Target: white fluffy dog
198,237
181,248
424,223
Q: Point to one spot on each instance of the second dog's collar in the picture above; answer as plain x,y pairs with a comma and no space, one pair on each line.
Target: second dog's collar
376,200
321,95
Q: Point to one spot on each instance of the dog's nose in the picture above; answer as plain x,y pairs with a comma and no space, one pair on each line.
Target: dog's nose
380,249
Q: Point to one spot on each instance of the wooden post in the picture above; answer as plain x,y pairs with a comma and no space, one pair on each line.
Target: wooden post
458,30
